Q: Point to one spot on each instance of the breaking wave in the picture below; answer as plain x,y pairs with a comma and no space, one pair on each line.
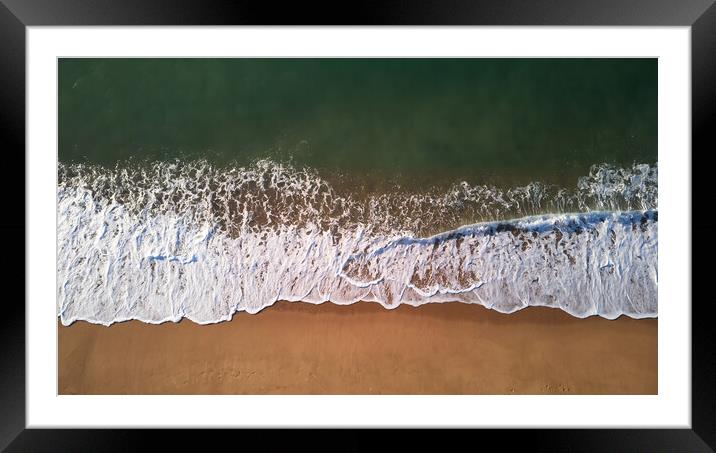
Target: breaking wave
160,241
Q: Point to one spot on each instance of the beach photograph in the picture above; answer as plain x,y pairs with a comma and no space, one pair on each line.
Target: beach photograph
357,226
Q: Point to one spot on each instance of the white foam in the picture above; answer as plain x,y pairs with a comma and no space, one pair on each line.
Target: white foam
176,243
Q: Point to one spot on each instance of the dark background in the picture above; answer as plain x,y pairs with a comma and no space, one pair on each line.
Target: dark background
16,14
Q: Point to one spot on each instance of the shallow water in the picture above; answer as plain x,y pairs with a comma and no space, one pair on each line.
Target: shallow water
163,241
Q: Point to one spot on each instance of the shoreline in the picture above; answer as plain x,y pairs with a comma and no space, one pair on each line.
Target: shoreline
330,302
362,348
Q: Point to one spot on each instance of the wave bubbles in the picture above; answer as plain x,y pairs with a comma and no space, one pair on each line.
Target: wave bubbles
270,195
161,241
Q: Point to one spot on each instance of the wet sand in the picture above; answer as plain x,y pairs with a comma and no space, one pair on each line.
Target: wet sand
299,348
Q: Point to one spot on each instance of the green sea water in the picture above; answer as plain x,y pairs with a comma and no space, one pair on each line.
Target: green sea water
415,120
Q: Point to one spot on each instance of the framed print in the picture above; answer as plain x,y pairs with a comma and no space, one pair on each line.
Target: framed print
448,225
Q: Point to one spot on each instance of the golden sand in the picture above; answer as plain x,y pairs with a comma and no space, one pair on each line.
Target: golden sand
300,348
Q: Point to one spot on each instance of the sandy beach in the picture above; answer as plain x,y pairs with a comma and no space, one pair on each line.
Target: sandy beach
300,348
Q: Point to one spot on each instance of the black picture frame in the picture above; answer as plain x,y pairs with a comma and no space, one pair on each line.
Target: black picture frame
16,15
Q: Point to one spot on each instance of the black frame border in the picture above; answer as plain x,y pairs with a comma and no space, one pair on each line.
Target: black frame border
16,15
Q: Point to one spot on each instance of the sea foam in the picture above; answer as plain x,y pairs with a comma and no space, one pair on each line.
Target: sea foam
164,241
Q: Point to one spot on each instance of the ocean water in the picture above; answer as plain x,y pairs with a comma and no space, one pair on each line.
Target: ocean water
200,188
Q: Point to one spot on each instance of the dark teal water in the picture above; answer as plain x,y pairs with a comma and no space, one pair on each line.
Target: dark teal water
482,120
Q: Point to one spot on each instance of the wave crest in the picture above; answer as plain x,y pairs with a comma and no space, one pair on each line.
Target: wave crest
163,241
